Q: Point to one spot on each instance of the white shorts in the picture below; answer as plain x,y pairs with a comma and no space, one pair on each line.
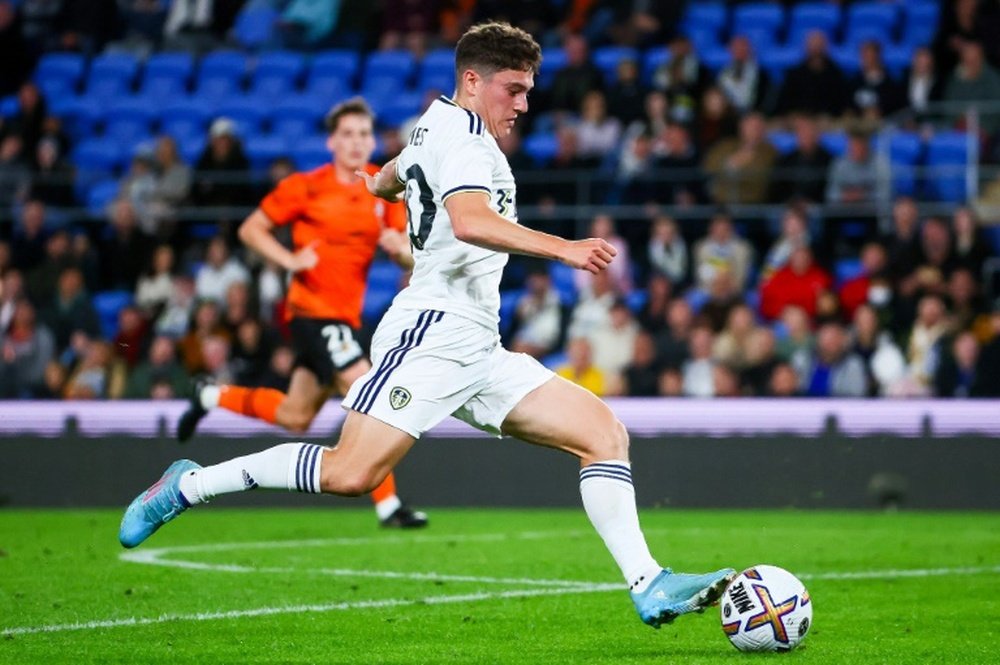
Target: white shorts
427,365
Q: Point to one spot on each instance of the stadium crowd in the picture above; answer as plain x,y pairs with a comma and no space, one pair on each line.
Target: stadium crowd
787,306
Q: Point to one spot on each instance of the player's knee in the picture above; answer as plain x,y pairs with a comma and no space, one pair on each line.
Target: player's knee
297,419
352,483
613,442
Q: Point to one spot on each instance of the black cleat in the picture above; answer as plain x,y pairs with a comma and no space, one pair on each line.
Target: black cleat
189,420
405,518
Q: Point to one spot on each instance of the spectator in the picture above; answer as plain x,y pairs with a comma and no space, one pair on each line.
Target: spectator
580,368
611,343
794,234
173,181
237,308
815,86
725,382
130,341
732,345
972,83
142,26
761,360
87,25
682,78
723,296
98,375
52,182
698,369
795,346
309,23
667,252
971,248
125,248
14,52
270,291
923,85
801,173
784,382
902,244
964,301
26,347
138,187
743,81
671,383
15,176
174,320
641,377
11,293
537,316
71,310
740,168
620,270
959,25
189,26
30,117
921,351
28,244
571,83
987,383
655,114
279,372
672,343
675,154
627,95
159,372
409,24
859,175
154,287
251,352
594,306
653,315
597,134
43,279
799,283
834,370
635,181
219,272
874,93
857,291
935,263
955,375
722,251
205,322
222,170
884,362
716,119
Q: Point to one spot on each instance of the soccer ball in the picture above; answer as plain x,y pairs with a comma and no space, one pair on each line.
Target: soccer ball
766,608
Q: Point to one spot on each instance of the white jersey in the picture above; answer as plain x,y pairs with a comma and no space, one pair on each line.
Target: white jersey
449,151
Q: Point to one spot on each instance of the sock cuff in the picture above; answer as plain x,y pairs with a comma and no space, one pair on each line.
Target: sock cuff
612,470
304,468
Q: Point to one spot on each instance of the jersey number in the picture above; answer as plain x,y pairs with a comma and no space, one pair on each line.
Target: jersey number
340,344
418,235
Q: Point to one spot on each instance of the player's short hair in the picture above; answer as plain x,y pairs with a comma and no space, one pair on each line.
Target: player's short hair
352,106
491,47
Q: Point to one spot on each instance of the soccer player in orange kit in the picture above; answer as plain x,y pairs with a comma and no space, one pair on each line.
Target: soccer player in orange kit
336,225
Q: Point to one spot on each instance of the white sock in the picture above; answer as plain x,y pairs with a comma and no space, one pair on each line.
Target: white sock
609,499
386,507
291,466
209,397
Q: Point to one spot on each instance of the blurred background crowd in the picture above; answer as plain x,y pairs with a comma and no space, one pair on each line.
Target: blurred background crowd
801,193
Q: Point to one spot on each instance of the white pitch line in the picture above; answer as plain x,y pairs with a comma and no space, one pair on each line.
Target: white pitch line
303,609
891,574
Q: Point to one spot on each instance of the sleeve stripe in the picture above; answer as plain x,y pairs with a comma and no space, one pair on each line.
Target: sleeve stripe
465,188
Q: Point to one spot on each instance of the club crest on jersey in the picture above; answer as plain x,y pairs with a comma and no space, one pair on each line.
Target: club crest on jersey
399,397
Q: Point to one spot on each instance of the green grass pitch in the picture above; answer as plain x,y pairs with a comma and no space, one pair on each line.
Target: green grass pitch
479,586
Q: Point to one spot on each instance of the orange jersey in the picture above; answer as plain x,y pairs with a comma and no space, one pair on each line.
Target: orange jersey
345,221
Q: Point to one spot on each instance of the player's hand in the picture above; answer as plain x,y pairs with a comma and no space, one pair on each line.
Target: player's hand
371,184
591,254
304,259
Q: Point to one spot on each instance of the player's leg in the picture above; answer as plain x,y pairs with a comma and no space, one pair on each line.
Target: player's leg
389,508
367,451
600,441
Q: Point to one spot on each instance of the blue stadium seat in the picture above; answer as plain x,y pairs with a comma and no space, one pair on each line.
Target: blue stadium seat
80,115
807,16
249,114
436,63
297,115
897,57
847,58
947,157
847,269
111,75
556,360
921,23
767,16
261,150
254,28
98,154
759,39
186,117
541,147
221,66
384,275
564,281
553,59
166,75
310,152
393,68
130,119
834,143
9,106
399,108
277,73
881,14
706,15
715,58
653,59
697,299
779,59
905,152
66,66
99,197
331,89
191,148
607,58
108,304
702,39
783,142
340,64
636,300
864,32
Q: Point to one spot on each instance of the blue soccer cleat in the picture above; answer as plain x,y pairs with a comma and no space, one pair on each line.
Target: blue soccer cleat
673,594
156,506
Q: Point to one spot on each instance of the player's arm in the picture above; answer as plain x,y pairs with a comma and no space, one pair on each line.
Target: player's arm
384,184
396,245
475,222
257,233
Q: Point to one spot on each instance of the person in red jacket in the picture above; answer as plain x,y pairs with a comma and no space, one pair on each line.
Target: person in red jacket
799,283
854,292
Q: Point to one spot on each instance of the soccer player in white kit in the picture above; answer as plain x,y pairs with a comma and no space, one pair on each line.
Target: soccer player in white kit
437,351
